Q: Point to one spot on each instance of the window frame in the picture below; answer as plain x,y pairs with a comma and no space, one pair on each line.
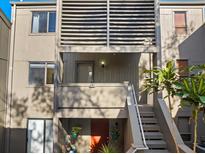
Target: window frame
48,19
45,63
186,25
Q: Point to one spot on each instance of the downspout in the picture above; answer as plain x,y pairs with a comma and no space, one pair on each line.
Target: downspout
10,79
56,78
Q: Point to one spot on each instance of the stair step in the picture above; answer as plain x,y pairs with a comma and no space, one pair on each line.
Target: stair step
153,128
156,151
149,120
147,114
145,108
153,135
161,144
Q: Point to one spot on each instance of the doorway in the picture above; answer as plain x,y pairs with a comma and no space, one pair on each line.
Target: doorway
85,72
40,136
99,134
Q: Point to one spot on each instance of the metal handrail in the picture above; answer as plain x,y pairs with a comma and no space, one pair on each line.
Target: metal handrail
139,118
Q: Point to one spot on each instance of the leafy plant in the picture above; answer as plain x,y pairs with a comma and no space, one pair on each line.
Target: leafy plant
163,79
108,149
76,130
192,93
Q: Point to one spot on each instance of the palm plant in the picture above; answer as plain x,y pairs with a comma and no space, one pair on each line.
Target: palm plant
192,93
108,149
163,79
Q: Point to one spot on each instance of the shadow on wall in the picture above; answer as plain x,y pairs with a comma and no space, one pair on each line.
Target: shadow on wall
193,47
97,98
40,102
171,44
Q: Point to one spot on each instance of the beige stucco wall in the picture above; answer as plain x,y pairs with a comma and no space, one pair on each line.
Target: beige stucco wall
4,60
28,101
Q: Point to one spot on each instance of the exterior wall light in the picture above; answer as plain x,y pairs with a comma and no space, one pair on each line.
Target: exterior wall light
102,63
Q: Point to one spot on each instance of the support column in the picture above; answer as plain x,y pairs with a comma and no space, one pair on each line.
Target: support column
56,146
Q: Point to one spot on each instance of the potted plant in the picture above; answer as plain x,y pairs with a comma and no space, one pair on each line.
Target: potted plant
75,132
71,139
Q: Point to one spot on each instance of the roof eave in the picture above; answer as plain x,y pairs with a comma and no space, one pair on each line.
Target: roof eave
32,3
183,3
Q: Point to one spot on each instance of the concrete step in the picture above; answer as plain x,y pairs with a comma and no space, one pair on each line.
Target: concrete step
156,151
150,128
147,114
157,144
153,135
149,120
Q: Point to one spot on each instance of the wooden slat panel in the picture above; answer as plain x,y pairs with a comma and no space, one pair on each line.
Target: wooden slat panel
126,16
84,22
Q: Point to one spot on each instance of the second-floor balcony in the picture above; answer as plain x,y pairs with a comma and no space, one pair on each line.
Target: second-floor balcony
96,83
108,26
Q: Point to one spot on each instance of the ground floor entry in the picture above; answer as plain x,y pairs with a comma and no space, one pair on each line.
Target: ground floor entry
90,135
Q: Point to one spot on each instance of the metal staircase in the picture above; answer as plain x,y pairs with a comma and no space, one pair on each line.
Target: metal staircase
154,137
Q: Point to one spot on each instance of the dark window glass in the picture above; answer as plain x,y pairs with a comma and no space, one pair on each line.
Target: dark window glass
184,128
52,22
37,74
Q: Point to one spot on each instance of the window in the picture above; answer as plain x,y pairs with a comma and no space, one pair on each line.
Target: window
184,128
180,23
40,136
41,73
43,22
182,66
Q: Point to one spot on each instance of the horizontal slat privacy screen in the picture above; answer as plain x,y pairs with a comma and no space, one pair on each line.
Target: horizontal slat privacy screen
108,22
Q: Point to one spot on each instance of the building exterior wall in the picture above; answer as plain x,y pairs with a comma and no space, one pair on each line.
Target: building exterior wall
28,101
189,46
193,47
170,41
118,67
4,63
